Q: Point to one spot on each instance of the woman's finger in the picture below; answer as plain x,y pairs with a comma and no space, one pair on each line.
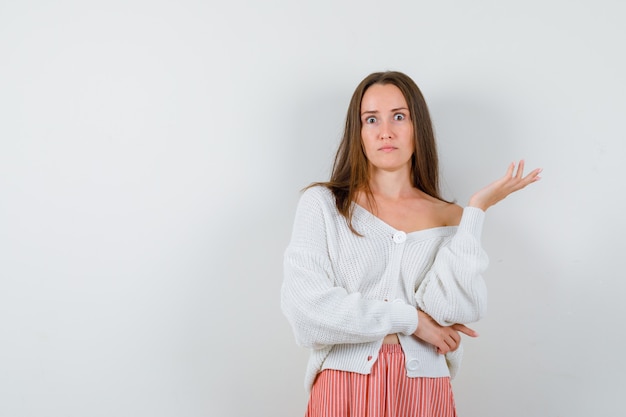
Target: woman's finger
465,330
520,169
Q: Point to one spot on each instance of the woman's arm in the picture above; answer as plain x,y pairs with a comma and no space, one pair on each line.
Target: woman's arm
319,312
454,290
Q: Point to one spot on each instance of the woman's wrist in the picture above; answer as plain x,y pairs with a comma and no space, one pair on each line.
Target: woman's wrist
478,204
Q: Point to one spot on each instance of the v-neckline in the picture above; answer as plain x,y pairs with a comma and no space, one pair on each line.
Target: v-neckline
392,229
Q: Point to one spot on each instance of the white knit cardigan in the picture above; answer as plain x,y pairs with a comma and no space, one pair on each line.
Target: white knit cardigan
342,293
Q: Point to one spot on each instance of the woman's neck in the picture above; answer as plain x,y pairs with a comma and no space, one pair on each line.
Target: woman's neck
391,184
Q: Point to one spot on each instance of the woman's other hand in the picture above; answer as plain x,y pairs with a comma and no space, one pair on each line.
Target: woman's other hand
444,338
498,190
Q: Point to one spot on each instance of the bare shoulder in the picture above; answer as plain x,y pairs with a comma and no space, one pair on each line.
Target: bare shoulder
443,213
451,214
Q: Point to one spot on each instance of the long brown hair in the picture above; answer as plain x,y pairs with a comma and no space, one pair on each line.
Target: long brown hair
350,172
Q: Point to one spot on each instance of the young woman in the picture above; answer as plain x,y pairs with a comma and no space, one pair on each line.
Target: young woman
382,273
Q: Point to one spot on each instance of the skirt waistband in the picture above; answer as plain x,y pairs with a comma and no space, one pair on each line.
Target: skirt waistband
391,348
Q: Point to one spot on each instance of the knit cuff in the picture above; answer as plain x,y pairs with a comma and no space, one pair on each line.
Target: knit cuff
404,318
472,221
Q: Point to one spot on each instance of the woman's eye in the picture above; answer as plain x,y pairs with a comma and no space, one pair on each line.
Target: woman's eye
398,116
370,120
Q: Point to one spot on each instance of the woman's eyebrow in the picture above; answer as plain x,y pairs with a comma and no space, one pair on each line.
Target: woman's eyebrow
376,111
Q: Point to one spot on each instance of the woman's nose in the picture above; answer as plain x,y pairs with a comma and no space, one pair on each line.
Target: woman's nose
385,131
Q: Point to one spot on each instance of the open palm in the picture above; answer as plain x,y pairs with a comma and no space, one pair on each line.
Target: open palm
513,180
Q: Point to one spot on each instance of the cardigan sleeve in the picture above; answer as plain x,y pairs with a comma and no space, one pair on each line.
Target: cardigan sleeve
319,312
453,290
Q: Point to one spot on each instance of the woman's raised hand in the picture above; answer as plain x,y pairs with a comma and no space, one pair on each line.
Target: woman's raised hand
512,181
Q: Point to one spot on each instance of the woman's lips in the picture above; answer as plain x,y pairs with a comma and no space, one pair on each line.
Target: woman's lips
387,148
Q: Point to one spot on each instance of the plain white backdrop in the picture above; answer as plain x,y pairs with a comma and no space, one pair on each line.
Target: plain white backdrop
151,157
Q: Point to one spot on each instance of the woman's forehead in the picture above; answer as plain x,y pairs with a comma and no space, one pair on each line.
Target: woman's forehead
382,97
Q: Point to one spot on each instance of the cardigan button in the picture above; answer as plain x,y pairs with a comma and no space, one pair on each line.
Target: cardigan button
413,364
399,237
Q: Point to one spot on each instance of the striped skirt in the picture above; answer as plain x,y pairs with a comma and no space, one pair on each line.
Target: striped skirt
385,392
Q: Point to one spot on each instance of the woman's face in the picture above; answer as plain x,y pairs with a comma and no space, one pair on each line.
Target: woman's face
387,129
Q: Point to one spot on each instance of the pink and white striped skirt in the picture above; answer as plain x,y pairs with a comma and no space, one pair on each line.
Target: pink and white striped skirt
385,392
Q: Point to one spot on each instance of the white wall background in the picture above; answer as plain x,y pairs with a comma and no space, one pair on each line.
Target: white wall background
151,154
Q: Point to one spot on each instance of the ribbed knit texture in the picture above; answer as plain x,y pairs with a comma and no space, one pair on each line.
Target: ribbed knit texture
342,293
